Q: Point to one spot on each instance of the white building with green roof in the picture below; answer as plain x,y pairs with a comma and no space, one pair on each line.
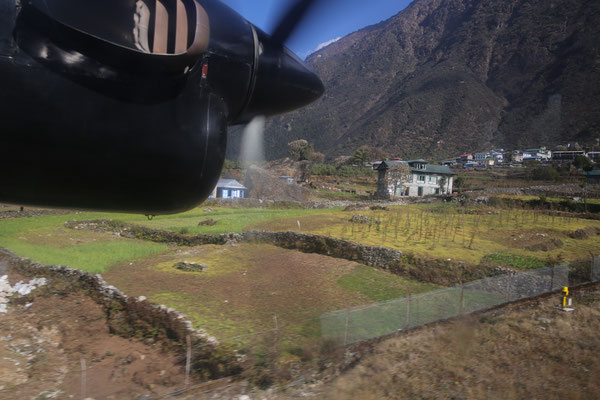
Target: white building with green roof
423,179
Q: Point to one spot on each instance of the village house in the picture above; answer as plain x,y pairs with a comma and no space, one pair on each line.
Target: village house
497,155
517,156
541,154
482,156
566,155
529,156
488,159
464,158
229,189
422,178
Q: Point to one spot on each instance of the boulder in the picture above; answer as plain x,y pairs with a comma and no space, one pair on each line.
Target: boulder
190,266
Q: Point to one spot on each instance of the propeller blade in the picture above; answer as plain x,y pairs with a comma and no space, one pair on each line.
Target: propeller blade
290,20
253,147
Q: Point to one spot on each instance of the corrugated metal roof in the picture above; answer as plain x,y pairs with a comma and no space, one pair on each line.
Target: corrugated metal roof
230,184
429,168
435,169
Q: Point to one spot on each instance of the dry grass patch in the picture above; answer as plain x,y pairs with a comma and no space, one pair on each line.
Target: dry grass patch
245,286
524,351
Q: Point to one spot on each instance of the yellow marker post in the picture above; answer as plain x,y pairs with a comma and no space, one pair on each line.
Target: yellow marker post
567,301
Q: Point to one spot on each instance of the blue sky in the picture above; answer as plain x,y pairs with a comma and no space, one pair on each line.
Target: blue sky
329,20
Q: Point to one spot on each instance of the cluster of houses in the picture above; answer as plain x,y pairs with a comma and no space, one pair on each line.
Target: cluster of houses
498,157
421,178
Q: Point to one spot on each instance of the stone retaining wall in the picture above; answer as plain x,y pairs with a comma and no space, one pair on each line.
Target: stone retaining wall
132,231
133,316
440,272
370,255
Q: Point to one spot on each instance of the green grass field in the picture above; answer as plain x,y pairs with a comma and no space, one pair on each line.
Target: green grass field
227,219
447,231
44,239
246,286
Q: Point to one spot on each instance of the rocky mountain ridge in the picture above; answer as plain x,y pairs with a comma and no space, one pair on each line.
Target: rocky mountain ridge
448,76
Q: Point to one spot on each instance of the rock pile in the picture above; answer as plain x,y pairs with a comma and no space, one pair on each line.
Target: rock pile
207,222
190,266
21,288
584,233
360,219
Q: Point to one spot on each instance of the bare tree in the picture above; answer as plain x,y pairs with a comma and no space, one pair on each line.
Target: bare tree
442,184
300,149
317,157
397,176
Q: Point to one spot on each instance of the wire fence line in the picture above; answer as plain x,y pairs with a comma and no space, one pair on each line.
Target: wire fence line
379,319
356,324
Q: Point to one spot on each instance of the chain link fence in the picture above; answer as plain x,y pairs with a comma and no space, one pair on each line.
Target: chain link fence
362,323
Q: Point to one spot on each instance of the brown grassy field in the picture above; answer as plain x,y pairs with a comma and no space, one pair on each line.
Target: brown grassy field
246,286
523,351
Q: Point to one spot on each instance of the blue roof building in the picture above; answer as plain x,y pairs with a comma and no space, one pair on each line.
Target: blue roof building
229,189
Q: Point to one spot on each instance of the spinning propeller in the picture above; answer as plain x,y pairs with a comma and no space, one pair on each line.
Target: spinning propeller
123,105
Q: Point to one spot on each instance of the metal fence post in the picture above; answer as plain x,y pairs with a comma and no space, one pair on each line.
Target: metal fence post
408,312
83,379
276,334
346,330
188,360
462,297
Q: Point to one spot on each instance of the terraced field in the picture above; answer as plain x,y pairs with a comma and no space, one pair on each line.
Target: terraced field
249,289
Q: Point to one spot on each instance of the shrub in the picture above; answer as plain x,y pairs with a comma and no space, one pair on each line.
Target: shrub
582,162
323,169
347,171
351,171
231,164
544,174
515,261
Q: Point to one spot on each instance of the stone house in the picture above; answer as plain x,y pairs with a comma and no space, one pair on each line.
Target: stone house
422,180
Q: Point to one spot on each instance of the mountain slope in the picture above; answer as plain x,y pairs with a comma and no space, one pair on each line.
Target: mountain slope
447,76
